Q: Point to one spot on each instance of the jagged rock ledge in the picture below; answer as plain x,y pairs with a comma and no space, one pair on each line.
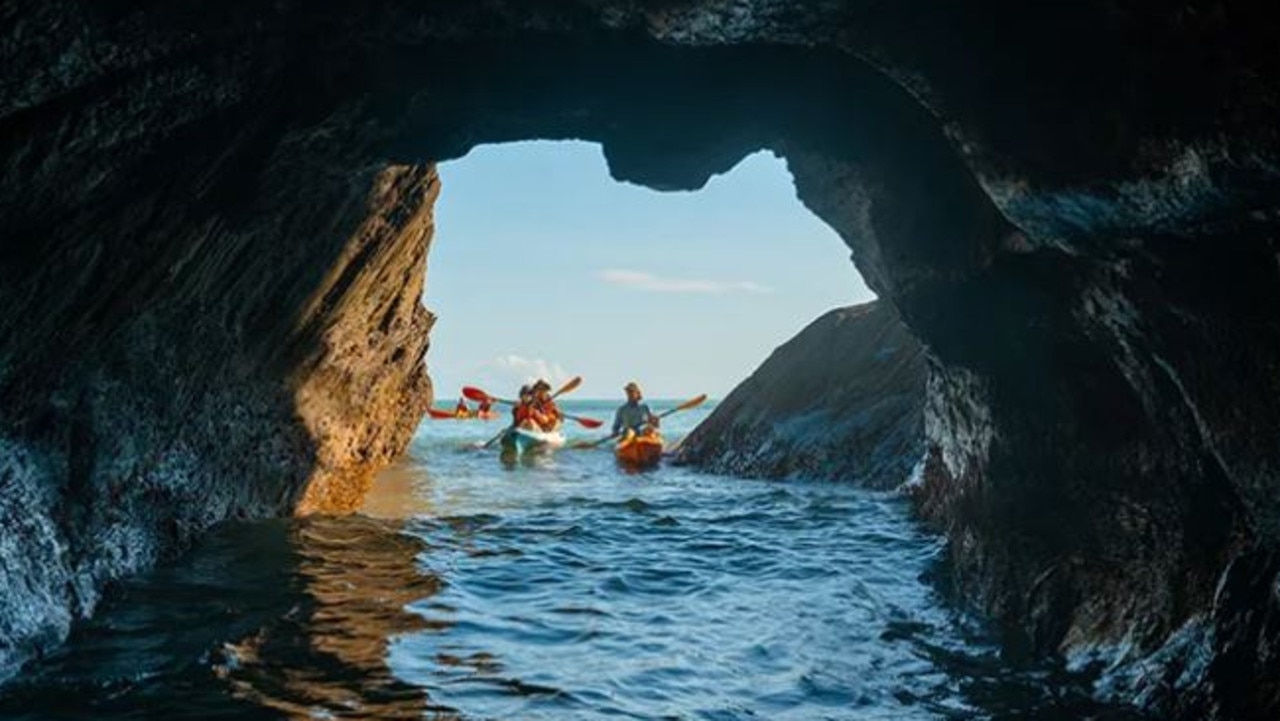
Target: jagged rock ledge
842,400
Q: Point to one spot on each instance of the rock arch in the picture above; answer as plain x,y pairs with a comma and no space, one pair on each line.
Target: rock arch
216,219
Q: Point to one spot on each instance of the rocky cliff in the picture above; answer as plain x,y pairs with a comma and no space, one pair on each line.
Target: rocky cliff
214,217
210,306
843,400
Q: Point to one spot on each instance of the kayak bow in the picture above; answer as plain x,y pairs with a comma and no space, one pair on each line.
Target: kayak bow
639,451
523,441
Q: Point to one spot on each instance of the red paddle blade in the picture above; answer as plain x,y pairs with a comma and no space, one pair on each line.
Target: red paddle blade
440,414
475,394
588,422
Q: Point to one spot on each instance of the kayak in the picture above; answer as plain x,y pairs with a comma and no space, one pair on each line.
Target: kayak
440,415
523,441
642,451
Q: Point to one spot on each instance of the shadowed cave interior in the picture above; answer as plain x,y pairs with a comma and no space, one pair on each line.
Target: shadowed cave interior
217,221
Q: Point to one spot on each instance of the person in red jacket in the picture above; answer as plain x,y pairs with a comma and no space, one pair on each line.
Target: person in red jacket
546,414
522,412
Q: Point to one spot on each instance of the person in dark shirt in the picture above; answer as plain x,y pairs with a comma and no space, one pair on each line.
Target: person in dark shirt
634,415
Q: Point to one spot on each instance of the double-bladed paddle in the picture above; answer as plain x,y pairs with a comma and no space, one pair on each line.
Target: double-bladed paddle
475,394
691,403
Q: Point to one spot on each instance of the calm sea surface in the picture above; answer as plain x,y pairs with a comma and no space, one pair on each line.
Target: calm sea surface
563,588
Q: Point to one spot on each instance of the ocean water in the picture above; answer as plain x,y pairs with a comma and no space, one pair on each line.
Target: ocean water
564,587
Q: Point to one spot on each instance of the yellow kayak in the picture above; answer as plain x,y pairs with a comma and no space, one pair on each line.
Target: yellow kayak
639,451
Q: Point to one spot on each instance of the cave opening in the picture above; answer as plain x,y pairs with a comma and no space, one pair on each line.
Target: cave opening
216,216
250,277
544,266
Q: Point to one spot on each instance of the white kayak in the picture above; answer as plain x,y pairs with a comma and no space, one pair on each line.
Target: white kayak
522,441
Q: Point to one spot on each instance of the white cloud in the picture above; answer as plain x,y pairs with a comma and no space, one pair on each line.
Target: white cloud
640,280
502,376
521,370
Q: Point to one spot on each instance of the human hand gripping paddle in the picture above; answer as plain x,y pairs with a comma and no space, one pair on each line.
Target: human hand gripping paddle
475,394
691,403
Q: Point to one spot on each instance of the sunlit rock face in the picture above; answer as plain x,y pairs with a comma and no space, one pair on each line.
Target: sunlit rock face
841,401
209,300
215,217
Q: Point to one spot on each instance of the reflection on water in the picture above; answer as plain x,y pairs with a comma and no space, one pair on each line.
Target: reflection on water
265,620
398,494
564,589
328,653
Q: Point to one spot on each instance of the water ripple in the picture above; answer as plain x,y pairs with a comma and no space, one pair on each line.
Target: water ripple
558,590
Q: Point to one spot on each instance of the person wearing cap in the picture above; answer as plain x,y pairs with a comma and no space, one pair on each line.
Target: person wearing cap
546,414
634,415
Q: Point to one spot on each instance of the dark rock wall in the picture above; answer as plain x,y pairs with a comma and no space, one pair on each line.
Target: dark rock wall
209,293
843,400
215,215
1085,471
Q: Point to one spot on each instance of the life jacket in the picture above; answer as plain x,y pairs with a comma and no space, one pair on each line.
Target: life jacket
547,415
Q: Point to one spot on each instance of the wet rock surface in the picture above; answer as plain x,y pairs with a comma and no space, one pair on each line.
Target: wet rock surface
843,400
210,302
215,219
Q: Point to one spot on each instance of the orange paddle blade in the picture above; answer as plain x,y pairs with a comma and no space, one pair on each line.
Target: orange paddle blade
691,403
573,383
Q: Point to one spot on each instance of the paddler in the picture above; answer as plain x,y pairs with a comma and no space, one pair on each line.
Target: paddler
461,410
522,412
546,414
634,416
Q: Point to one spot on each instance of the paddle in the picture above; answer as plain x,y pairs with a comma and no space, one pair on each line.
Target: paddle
496,438
475,394
478,395
691,403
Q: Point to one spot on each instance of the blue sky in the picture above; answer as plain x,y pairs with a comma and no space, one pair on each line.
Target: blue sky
544,265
